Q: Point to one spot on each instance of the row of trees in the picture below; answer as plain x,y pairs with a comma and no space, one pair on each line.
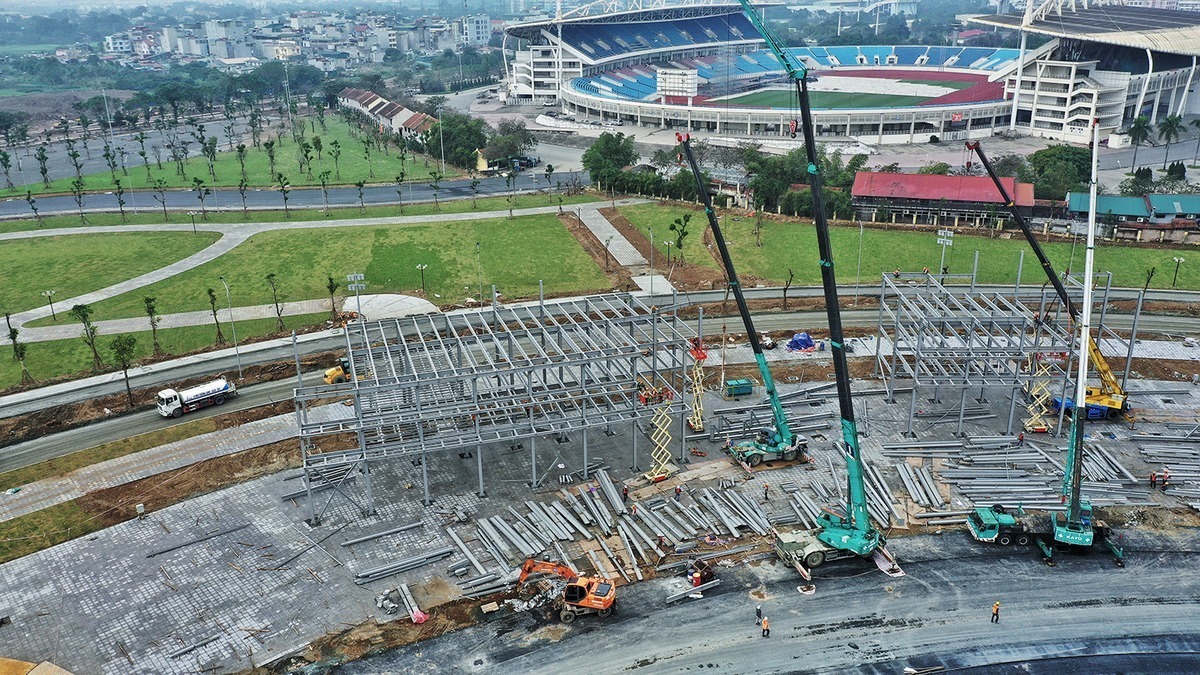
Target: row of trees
124,347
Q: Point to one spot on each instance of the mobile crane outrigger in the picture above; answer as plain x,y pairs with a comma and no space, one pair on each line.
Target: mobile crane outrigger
844,530
1078,525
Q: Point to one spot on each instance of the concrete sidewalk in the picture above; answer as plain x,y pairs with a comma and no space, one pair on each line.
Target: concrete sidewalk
46,493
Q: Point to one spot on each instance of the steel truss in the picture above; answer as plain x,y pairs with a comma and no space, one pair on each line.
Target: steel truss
962,339
444,382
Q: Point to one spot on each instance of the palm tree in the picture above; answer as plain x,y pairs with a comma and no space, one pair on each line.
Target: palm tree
1169,130
1139,132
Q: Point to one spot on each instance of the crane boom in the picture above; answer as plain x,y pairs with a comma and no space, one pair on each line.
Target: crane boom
851,528
1109,395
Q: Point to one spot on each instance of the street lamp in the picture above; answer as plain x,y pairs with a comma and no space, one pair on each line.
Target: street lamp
858,273
356,284
607,243
233,325
1178,261
479,267
193,215
421,268
651,231
49,295
670,243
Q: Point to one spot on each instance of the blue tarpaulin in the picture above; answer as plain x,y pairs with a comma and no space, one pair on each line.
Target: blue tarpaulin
800,342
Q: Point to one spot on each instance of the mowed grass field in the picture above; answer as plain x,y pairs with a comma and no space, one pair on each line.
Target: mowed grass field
72,357
72,265
352,163
523,201
513,254
824,100
794,245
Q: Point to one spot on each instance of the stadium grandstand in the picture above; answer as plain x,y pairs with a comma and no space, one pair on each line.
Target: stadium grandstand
704,67
1108,61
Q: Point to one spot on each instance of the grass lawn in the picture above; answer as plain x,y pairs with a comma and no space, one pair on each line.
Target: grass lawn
352,165
42,529
821,100
522,201
77,264
72,357
102,453
648,217
794,245
22,50
514,255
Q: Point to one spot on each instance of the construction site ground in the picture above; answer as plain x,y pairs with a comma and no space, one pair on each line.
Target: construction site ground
246,587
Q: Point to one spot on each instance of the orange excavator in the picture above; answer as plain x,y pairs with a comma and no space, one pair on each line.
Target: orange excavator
582,595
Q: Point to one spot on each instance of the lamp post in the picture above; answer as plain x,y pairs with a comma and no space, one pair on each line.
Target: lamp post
356,284
1178,261
421,268
651,231
49,295
193,215
607,243
479,268
858,274
669,245
233,325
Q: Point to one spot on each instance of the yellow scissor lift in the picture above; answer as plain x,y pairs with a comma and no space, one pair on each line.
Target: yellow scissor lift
1040,399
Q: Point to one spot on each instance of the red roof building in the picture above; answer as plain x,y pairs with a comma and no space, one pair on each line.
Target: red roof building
934,199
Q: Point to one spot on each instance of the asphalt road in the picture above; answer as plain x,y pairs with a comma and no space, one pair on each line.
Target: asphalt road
1083,616
126,426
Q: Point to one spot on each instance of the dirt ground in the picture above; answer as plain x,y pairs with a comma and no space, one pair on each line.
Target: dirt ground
617,275
682,276
60,418
365,638
48,108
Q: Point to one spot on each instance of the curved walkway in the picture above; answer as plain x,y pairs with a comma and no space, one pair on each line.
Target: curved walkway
233,234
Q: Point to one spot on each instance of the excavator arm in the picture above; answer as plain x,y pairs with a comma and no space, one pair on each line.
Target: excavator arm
1110,394
532,566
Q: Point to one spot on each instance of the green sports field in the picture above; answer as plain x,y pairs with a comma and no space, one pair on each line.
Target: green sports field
784,98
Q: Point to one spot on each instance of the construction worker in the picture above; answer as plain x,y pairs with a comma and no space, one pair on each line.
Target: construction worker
1021,439
624,493
925,270
633,510
758,615
766,627
996,612
896,273
1153,479
766,492
678,492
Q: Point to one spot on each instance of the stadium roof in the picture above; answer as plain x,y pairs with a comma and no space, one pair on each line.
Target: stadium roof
533,28
934,187
1160,30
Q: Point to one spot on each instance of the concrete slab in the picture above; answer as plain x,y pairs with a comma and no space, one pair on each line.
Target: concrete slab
653,284
389,306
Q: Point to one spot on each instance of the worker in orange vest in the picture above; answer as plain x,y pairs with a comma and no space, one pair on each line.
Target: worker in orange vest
766,628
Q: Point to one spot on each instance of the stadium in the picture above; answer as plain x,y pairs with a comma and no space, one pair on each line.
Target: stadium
704,67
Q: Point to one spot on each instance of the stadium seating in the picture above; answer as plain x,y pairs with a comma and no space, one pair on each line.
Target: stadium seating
907,56
846,56
939,55
603,40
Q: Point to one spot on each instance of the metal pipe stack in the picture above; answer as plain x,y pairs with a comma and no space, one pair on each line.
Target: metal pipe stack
383,571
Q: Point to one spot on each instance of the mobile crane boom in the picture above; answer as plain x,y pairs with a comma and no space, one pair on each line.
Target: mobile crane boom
1109,395
847,529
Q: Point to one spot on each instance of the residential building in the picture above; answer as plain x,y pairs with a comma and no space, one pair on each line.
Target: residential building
1156,217
474,30
394,116
118,43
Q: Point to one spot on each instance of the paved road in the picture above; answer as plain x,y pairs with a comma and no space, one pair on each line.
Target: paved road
1053,620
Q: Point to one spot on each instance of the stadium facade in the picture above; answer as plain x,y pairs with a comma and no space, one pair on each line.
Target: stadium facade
625,67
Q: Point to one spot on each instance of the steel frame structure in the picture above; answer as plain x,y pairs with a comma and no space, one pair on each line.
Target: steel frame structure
964,339
460,381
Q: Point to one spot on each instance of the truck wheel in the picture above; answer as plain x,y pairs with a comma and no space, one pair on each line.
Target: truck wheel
1112,413
754,459
1004,540
604,613
219,400
339,379
566,616
178,412
789,454
1023,540
814,559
